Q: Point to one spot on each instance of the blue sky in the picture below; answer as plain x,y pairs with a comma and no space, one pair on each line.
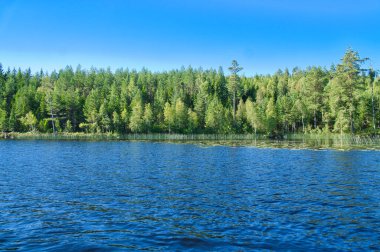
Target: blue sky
262,36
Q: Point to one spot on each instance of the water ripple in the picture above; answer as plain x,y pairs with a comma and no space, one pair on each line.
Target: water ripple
96,196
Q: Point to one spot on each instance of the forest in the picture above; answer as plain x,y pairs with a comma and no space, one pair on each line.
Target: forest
344,98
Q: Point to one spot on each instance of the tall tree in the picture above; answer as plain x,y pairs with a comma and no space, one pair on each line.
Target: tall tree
315,82
47,88
344,87
234,84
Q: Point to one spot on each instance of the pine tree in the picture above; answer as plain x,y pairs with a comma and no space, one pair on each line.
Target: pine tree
343,90
234,84
104,120
315,83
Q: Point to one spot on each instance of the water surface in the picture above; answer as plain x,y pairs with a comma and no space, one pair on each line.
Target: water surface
157,196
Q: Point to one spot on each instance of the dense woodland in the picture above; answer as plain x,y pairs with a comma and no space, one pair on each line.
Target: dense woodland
344,98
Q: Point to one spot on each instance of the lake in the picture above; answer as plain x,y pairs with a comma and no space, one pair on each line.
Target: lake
72,195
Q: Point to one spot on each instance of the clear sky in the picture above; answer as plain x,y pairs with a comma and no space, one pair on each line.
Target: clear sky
262,35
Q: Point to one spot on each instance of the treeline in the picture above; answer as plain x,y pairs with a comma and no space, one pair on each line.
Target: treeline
345,98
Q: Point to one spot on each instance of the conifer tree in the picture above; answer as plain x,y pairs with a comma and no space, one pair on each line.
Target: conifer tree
234,84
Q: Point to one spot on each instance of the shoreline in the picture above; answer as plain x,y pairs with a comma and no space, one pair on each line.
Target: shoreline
195,136
292,141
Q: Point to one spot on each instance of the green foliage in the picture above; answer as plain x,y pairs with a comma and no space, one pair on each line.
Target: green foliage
136,123
168,116
29,120
91,111
255,117
234,86
342,99
69,127
104,120
345,91
3,120
241,115
148,117
180,116
271,115
116,122
217,117
193,121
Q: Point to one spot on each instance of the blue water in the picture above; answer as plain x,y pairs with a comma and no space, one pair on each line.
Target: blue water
155,196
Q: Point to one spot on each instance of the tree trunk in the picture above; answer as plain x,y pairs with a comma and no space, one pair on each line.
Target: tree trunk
323,122
352,123
373,108
52,118
234,106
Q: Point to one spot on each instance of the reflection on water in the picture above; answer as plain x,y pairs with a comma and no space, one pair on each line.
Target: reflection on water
148,196
314,144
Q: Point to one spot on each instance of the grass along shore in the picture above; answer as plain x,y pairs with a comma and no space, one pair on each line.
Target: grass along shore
132,136
320,140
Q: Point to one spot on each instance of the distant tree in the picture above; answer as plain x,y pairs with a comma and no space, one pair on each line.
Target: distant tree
217,117
241,115
220,86
104,120
29,120
47,88
180,115
255,118
3,120
12,121
344,90
148,117
136,123
169,116
116,122
91,111
299,108
234,84
193,121
315,83
69,127
124,119
271,117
